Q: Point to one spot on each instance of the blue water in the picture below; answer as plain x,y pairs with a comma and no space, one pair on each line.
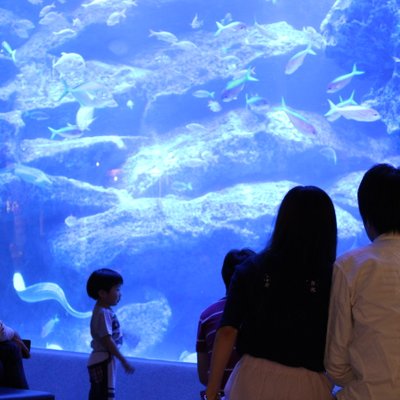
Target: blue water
153,182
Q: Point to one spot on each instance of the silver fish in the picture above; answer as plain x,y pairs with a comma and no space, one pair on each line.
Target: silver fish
32,175
164,36
45,291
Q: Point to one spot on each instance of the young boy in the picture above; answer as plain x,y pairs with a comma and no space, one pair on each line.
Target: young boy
363,343
210,319
104,286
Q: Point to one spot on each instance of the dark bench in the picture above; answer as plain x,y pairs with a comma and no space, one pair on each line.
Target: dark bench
9,393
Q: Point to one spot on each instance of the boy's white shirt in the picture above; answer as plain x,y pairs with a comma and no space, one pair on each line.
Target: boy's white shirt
99,352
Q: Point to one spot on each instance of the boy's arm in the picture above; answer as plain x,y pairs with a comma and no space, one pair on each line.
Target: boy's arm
339,333
111,347
6,333
225,340
202,367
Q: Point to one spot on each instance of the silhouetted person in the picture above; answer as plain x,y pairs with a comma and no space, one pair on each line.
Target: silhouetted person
210,319
12,350
363,342
277,308
104,286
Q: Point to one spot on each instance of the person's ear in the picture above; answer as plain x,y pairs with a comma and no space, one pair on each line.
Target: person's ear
371,231
102,293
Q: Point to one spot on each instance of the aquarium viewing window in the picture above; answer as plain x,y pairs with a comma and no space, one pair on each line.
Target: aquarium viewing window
153,136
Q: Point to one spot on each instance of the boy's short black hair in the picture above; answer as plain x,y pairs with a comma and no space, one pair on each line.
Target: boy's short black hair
233,258
379,198
102,279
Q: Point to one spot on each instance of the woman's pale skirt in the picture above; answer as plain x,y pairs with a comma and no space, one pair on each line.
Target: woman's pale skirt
260,379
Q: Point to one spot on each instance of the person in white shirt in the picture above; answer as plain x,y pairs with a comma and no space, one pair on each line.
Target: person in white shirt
363,343
12,349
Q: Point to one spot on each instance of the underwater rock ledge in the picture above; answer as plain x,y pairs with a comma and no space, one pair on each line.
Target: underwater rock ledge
140,225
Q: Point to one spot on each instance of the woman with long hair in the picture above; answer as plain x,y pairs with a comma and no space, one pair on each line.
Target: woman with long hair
277,308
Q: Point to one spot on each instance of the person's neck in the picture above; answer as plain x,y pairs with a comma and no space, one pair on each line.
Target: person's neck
102,303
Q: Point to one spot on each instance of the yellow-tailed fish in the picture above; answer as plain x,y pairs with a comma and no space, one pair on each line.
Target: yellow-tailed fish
360,112
67,132
297,60
333,115
235,86
232,26
341,81
8,49
300,122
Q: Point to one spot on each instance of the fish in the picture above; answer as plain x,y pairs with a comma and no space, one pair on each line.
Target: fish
32,175
235,86
116,17
297,60
329,153
68,62
94,3
48,327
196,23
181,187
84,118
214,106
67,132
203,94
37,115
195,127
76,22
359,113
130,104
184,45
301,123
341,81
22,27
81,93
164,36
51,18
45,291
8,49
332,115
350,100
66,32
46,9
227,18
71,221
232,26
256,100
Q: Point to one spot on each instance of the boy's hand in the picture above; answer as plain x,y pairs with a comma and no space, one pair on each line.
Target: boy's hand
128,367
24,350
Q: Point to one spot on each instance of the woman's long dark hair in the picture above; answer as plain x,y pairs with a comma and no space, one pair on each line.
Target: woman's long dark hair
305,233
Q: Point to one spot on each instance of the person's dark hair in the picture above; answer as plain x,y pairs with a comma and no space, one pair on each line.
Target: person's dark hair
233,258
305,233
102,279
379,198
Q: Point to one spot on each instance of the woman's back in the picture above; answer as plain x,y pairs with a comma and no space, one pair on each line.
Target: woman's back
282,311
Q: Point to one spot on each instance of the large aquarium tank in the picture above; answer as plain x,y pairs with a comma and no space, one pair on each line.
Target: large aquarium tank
153,136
